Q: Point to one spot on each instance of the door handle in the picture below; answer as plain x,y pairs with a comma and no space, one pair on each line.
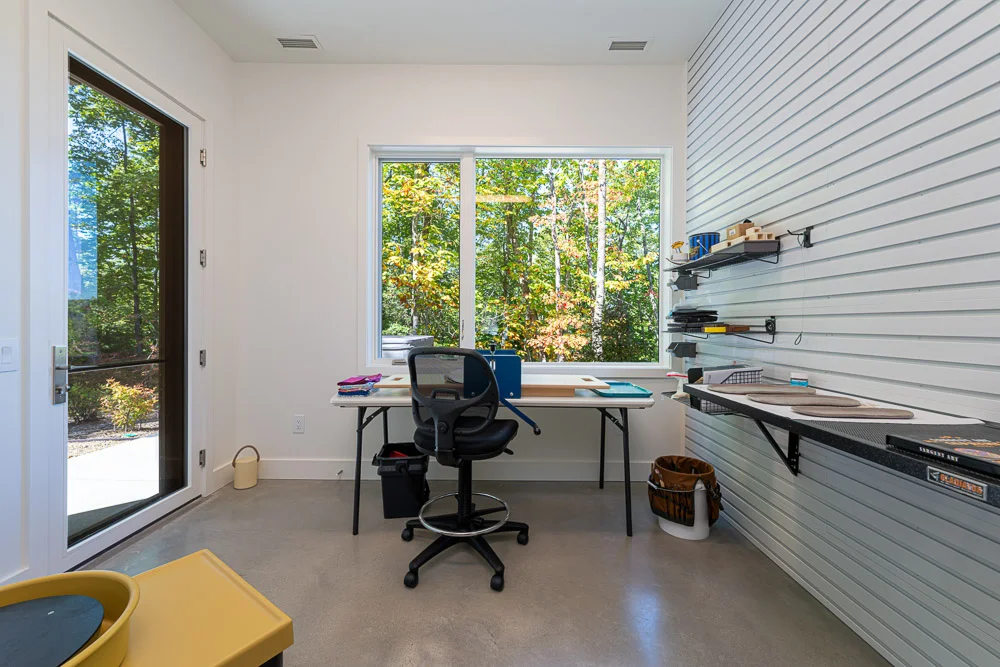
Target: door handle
60,373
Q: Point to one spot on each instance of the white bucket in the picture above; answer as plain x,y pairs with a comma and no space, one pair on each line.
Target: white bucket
699,530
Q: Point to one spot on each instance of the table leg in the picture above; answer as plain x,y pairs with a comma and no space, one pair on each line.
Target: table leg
276,661
385,427
628,474
600,484
357,467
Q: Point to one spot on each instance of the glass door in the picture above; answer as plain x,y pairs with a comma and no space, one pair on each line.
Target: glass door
126,266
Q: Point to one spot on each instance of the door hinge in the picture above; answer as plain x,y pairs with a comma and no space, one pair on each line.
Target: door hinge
203,157
201,457
202,354
203,258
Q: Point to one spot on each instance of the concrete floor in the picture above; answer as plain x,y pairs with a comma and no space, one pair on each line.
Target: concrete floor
580,593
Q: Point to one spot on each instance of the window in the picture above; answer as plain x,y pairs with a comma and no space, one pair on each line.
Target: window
420,248
563,252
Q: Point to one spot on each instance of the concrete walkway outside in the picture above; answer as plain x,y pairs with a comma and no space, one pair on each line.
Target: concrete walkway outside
113,476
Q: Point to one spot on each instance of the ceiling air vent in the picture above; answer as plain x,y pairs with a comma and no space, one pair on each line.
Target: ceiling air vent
628,45
299,42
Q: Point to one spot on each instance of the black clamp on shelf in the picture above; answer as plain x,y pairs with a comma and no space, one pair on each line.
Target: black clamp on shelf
683,350
791,459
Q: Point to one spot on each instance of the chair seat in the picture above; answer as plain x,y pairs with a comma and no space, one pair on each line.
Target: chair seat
483,445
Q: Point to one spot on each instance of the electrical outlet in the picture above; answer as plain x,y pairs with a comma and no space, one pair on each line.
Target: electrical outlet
298,423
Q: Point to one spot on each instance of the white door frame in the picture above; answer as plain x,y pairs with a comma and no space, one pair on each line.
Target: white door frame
48,157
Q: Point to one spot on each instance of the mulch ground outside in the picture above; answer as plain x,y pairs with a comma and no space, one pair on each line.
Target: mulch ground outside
93,436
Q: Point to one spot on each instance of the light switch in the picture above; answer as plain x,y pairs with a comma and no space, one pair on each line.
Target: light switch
10,356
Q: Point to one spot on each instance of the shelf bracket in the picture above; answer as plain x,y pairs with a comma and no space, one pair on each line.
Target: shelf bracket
791,459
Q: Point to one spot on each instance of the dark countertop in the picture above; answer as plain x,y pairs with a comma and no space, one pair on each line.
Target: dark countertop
865,441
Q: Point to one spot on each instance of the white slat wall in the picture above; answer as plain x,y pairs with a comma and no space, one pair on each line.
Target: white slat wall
878,123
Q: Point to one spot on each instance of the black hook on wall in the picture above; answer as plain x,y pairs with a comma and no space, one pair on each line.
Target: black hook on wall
804,236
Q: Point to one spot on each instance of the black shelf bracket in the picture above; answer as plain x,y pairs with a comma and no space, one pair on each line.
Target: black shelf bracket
791,459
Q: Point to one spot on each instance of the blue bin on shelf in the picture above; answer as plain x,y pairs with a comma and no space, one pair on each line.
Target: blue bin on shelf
701,244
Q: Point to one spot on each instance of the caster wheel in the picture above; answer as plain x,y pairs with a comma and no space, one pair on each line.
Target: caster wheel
522,537
407,534
496,582
412,579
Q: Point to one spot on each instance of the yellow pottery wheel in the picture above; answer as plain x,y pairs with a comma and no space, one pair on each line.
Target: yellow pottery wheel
118,593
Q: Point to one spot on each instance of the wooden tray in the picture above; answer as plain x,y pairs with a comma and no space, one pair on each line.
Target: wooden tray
777,399
852,413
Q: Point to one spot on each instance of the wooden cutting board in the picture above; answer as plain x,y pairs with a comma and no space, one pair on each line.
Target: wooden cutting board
532,385
761,389
558,385
777,399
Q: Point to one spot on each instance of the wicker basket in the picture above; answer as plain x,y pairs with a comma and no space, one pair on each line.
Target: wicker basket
672,485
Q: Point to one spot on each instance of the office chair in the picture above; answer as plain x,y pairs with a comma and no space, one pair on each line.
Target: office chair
455,401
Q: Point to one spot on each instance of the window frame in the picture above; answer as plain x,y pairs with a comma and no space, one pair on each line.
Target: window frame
371,158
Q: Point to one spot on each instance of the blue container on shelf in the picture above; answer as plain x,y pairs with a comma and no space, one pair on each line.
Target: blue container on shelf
701,244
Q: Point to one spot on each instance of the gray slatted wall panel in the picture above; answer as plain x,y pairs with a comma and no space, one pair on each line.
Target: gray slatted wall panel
877,122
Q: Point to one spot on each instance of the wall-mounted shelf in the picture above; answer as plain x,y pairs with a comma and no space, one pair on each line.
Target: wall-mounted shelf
747,251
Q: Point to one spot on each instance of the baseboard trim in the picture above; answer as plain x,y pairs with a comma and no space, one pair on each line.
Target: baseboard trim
495,469
221,475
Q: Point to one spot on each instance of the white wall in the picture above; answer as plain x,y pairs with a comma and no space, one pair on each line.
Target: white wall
299,225
13,461
159,42
876,122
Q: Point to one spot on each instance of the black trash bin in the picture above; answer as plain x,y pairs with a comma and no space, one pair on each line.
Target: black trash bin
404,479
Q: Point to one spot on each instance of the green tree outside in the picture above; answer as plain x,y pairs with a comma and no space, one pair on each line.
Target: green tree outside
567,256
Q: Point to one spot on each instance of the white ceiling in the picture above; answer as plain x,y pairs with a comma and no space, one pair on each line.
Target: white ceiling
501,32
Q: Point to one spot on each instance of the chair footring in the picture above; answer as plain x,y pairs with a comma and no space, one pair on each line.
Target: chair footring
453,529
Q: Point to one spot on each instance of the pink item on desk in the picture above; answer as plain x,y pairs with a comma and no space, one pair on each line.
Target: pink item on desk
360,379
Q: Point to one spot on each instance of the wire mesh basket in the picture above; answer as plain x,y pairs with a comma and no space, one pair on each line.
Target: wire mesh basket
750,376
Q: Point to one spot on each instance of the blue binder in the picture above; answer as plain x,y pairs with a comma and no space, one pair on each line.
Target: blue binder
506,367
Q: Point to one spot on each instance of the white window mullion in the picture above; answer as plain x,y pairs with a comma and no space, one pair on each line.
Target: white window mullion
467,260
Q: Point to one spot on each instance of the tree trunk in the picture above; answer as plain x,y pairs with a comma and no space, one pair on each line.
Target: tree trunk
557,282
414,237
597,339
650,285
134,243
586,219
420,172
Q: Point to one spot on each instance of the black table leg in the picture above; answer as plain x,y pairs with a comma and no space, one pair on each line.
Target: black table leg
357,467
385,427
276,661
603,423
628,474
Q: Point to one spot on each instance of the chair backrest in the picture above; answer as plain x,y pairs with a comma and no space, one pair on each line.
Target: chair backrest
444,383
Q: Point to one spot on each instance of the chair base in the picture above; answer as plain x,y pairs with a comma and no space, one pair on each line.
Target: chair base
452,523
